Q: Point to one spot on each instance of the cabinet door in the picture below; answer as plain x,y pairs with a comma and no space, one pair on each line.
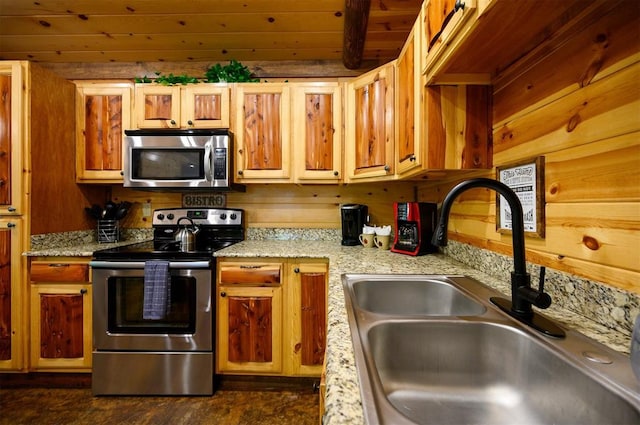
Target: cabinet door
61,326
370,130
205,106
316,128
249,330
409,155
308,317
13,328
157,106
103,112
262,132
11,135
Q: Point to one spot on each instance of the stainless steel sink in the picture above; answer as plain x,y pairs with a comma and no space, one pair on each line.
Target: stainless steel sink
409,296
481,368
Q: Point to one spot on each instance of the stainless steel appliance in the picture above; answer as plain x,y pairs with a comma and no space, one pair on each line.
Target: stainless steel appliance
171,353
415,225
353,216
179,159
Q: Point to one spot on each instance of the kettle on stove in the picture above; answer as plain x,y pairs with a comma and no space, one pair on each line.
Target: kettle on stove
186,236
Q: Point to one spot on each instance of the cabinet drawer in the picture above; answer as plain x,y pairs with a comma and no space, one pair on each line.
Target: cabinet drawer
59,272
250,273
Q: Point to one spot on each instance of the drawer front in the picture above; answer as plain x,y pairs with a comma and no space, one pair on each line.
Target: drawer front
59,272
262,274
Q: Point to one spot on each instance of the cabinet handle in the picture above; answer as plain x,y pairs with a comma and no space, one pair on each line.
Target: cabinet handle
296,270
11,209
190,122
173,122
10,225
412,158
335,173
240,172
387,168
59,265
252,266
223,294
83,291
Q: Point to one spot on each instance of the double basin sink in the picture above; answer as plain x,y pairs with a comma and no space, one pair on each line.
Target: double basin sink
434,350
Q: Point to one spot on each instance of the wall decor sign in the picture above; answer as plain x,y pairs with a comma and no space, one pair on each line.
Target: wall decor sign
204,200
526,179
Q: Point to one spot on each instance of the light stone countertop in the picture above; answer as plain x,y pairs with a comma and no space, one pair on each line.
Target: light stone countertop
343,402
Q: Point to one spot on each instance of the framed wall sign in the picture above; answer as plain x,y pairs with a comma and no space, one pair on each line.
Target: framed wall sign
526,179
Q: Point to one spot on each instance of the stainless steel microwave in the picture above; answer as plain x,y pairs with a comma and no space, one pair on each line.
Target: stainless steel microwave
179,159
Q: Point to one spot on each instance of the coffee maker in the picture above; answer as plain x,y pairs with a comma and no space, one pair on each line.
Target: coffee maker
415,225
354,217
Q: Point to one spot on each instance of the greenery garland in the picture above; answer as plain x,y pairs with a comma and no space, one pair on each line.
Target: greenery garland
235,72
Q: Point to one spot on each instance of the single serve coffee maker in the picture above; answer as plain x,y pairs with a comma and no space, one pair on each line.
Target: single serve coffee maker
354,217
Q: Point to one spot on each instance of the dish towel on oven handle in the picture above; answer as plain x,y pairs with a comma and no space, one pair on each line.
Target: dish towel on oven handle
157,290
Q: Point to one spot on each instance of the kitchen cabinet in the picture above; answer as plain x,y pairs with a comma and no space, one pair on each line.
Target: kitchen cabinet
11,135
12,314
249,305
369,141
61,335
408,155
262,132
316,130
103,112
272,316
307,306
203,105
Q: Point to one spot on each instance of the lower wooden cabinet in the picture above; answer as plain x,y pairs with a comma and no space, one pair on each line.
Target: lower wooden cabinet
61,336
272,316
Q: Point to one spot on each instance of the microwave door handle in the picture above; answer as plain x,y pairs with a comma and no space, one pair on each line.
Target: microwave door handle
208,169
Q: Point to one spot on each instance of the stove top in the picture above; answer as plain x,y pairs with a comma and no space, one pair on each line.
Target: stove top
218,228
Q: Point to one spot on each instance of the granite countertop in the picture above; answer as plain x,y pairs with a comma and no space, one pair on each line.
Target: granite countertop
343,402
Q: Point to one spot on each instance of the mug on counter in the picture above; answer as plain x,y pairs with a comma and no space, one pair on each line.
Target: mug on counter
381,241
366,239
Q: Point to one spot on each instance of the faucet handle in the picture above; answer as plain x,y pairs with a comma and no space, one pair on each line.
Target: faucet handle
543,270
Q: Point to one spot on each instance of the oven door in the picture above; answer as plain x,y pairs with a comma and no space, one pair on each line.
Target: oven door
118,298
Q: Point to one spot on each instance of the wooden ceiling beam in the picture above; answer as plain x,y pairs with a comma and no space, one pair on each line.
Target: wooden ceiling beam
356,17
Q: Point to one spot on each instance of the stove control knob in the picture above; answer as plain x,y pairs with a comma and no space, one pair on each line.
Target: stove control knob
223,216
170,216
233,216
160,216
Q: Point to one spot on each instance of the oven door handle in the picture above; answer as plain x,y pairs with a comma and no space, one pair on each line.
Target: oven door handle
140,264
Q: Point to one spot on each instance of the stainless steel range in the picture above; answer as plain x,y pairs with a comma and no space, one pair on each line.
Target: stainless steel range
153,311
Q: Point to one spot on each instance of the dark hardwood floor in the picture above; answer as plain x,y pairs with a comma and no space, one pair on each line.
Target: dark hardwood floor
231,404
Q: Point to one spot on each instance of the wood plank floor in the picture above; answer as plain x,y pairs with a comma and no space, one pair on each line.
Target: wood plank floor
232,407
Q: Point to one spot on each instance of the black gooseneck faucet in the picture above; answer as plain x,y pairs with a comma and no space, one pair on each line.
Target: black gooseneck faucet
523,296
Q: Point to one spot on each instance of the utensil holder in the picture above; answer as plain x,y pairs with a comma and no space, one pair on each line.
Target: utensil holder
108,231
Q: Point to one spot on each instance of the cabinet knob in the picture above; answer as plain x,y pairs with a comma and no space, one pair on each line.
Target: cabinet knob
387,168
190,122
11,209
10,225
335,173
296,270
173,122
240,172
83,291
412,158
223,294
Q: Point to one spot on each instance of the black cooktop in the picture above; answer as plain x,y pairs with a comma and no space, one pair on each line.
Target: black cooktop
151,250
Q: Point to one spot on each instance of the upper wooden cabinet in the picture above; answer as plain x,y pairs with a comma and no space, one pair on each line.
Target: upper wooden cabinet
11,137
103,112
262,135
369,142
481,41
409,150
316,130
203,105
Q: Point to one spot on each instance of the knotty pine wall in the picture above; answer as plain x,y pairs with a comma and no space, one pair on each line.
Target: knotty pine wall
286,205
579,107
